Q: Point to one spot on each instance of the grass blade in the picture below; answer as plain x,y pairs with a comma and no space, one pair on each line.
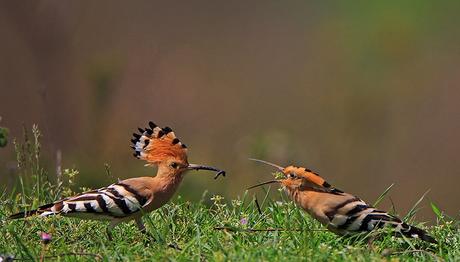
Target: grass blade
436,210
413,210
382,196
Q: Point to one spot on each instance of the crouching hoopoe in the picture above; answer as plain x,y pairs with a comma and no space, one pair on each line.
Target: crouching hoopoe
341,212
130,199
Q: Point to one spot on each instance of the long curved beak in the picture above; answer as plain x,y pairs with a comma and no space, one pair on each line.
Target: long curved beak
264,183
280,168
201,167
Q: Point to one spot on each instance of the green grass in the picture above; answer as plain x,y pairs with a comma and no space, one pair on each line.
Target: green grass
192,226
212,229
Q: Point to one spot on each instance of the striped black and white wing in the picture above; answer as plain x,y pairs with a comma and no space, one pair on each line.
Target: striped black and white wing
115,201
354,215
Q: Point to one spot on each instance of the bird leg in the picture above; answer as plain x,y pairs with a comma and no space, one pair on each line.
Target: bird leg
110,227
143,230
140,225
370,242
109,232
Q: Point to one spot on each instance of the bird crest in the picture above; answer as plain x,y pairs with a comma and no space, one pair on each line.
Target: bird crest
294,174
155,144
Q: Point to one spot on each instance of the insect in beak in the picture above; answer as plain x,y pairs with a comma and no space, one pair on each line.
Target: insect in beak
264,183
201,167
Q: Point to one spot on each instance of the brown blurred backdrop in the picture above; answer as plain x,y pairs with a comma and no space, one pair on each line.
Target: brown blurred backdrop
367,95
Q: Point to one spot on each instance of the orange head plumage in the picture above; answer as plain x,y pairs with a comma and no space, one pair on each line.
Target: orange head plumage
160,146
155,145
297,177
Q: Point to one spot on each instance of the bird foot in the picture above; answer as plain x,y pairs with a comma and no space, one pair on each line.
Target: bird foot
175,246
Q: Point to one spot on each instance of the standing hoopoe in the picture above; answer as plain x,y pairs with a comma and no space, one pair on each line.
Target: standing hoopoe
130,199
341,212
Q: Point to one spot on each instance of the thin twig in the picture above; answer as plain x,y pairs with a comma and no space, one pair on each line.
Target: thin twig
233,229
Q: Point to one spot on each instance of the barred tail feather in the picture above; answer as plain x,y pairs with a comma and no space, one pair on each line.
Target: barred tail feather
354,215
40,210
415,232
379,219
23,214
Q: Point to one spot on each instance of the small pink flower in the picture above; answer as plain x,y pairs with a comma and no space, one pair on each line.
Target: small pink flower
45,237
244,221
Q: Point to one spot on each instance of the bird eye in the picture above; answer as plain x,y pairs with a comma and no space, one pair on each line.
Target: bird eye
292,175
174,165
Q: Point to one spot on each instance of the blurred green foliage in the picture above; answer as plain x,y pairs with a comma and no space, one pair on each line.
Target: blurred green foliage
102,74
3,136
362,93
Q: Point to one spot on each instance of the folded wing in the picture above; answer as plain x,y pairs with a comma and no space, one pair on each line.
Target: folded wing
115,201
354,215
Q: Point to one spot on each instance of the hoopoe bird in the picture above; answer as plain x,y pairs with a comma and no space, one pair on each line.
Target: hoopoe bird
132,198
340,212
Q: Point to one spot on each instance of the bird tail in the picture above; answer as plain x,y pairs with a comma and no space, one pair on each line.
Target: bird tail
379,219
415,232
42,210
23,214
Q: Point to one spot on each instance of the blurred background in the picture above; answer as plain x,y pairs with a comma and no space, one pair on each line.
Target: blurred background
367,95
